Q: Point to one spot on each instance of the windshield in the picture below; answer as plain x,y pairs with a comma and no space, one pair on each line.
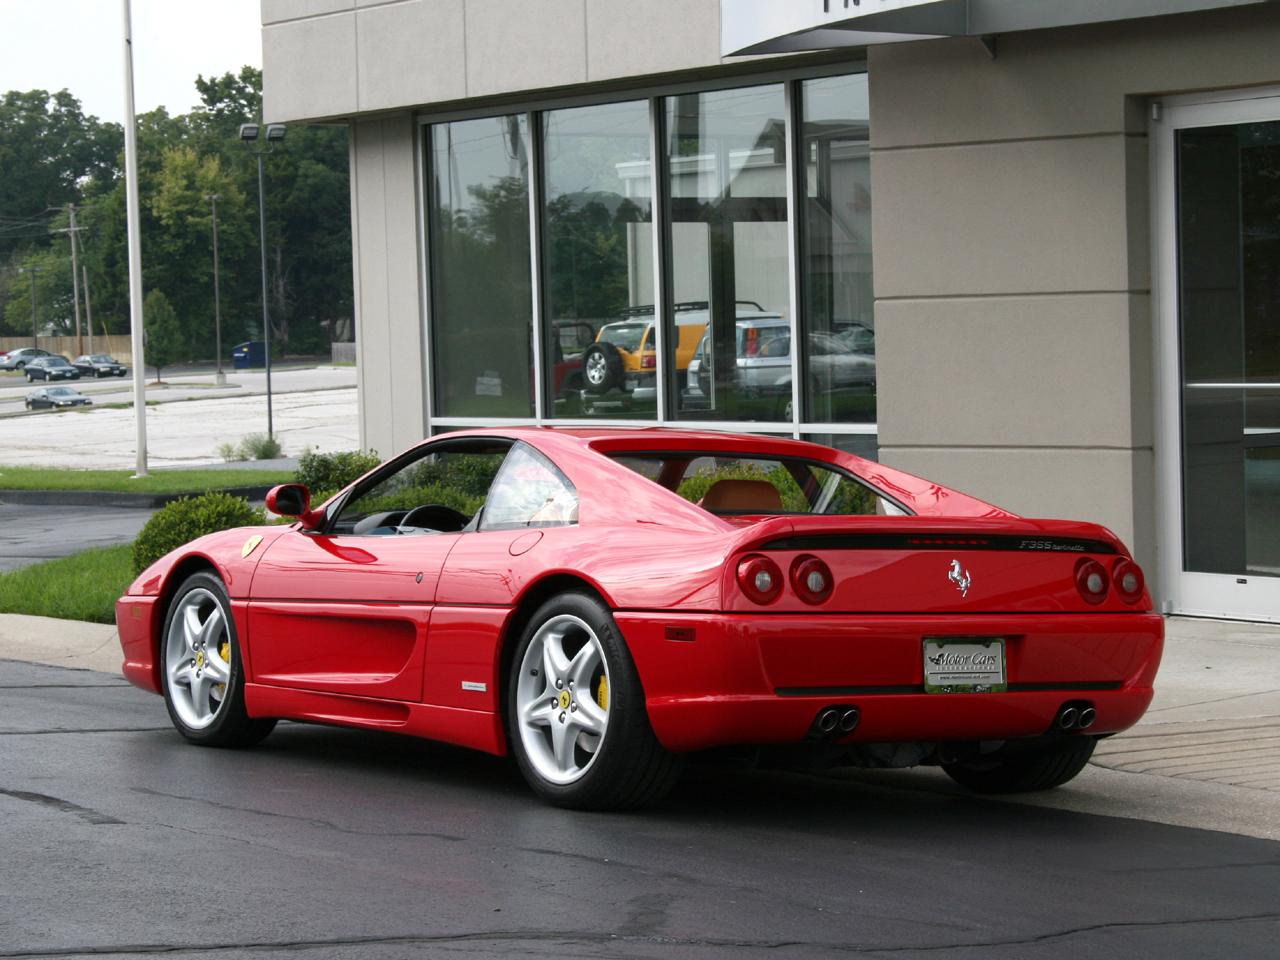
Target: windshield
61,392
56,362
626,336
101,358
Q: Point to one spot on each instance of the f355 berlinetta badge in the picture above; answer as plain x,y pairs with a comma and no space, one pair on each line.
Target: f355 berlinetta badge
960,578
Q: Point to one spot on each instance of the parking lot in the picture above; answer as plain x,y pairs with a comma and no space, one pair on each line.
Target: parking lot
187,418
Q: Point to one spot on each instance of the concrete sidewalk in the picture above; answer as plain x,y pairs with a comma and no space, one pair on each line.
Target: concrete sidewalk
1216,713
1215,717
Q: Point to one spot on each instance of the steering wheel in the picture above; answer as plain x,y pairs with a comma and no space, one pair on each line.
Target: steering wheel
432,516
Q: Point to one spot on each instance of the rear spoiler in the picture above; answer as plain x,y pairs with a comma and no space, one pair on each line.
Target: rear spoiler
927,533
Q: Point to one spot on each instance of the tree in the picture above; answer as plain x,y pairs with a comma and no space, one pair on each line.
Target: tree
48,148
164,343
52,155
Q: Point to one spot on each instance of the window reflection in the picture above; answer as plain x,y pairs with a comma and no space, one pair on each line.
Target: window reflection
726,159
599,262
840,383
482,306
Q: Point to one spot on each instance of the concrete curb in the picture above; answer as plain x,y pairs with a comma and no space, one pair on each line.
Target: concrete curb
104,498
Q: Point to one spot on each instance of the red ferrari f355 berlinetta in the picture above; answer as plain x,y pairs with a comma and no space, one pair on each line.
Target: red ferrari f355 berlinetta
601,602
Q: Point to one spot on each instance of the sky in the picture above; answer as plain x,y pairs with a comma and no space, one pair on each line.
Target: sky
79,45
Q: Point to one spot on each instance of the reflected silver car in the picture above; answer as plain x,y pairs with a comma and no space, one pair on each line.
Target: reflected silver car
839,362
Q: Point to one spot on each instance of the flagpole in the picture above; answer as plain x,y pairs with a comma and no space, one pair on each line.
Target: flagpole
135,247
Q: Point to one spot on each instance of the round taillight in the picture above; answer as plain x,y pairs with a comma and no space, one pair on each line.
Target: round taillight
759,578
1129,581
1092,581
811,579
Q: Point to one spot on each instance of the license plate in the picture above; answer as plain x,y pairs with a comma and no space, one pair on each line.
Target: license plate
964,665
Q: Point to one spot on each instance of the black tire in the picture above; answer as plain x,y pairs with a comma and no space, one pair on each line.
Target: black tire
231,725
601,367
630,767
1019,769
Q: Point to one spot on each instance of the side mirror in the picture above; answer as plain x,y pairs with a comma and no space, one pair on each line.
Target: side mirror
294,500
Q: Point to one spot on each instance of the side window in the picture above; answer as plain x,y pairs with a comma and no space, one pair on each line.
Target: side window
438,492
529,492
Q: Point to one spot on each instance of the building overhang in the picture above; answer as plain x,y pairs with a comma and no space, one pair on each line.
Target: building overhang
771,26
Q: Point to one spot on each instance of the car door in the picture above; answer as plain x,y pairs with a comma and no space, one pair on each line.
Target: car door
347,608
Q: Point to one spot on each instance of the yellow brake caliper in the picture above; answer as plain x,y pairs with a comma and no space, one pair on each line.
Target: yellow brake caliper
224,651
602,693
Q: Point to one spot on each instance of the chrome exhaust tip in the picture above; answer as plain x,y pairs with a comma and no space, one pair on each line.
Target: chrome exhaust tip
849,720
1087,716
1068,717
828,720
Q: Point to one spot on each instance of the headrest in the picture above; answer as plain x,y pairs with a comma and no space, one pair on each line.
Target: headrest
742,496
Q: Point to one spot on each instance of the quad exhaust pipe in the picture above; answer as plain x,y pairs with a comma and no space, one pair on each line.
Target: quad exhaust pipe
1075,715
837,721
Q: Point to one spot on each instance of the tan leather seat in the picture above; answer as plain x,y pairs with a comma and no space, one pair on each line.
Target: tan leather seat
742,496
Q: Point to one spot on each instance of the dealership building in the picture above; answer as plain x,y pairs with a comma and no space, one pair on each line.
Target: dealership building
1028,249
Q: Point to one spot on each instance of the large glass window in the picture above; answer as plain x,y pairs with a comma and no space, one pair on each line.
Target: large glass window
598,262
726,246
840,349
729,340
482,309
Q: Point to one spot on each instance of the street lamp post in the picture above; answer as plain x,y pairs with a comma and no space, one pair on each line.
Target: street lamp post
34,327
249,134
219,378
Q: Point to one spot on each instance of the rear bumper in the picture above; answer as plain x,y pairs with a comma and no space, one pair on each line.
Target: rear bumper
749,678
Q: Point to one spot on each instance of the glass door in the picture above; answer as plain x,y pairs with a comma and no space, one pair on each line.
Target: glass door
1219,269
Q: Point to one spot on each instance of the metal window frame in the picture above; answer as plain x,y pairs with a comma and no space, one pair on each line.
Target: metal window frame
537,189
655,96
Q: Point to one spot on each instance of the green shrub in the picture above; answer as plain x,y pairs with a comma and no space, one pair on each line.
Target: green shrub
229,452
333,471
259,446
183,520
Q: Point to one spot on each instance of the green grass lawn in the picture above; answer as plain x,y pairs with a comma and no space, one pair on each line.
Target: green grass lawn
121,481
81,587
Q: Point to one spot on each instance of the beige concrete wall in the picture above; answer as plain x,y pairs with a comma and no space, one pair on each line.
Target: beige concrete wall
1011,233
387,253
325,59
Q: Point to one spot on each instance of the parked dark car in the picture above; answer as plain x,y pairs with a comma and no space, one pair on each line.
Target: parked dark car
17,359
51,368
99,365
56,398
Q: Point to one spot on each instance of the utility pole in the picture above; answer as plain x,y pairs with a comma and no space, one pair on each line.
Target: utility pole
219,378
75,276
35,336
88,310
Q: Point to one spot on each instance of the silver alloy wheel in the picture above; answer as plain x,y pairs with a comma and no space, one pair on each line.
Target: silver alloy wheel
197,655
597,369
562,723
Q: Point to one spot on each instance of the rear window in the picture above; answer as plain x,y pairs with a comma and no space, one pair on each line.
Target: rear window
729,485
624,335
